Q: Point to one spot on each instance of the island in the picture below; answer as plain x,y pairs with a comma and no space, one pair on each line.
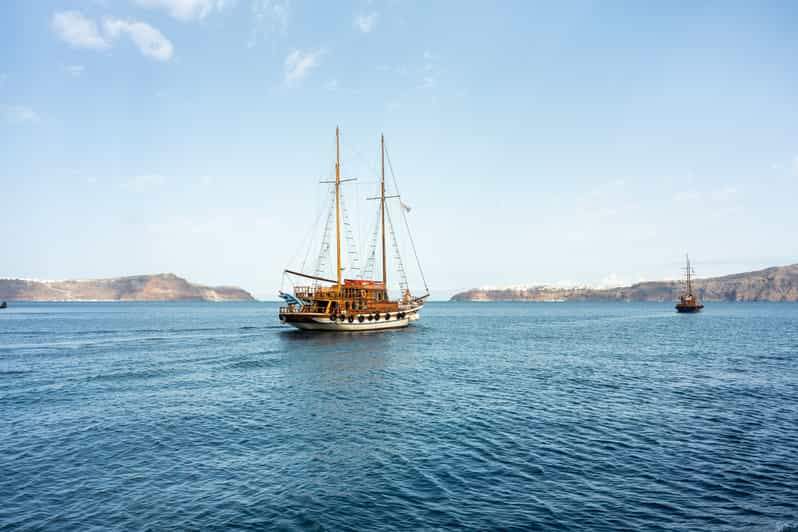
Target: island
778,283
153,287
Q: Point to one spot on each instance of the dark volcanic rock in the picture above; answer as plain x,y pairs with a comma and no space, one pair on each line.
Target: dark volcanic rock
772,284
158,287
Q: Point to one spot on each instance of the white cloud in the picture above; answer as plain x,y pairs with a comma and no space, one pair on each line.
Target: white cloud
83,32
77,30
19,114
429,72
74,70
268,17
298,65
687,195
185,9
143,182
724,193
149,40
366,23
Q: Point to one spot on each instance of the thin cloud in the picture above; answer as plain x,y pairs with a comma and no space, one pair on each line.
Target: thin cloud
687,195
19,114
185,10
149,40
74,70
299,64
78,30
429,72
366,23
143,182
724,193
269,17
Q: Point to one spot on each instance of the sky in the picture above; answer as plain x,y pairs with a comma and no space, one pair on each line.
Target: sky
568,142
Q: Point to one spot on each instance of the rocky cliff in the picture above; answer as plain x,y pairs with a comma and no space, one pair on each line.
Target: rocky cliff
772,284
158,287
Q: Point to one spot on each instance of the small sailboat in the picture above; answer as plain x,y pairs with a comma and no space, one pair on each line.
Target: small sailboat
361,303
688,302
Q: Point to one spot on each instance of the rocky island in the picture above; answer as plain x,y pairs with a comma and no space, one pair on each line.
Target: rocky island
771,284
156,287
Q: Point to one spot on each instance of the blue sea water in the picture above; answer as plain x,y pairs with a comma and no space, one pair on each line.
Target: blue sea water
481,416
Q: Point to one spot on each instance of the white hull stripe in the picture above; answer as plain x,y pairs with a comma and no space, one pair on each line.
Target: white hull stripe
323,324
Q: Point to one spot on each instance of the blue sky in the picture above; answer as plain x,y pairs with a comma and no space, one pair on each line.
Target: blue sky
562,142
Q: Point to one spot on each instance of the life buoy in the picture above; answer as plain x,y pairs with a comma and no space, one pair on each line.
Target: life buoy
371,317
377,317
360,318
387,316
351,318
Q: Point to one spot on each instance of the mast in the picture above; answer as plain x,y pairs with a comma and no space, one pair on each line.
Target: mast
689,277
382,214
338,206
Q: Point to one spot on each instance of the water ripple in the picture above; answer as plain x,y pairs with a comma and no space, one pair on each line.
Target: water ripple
577,417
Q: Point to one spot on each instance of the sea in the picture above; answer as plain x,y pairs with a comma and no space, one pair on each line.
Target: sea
481,416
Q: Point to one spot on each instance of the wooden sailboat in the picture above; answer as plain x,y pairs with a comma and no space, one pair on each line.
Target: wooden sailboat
350,304
688,302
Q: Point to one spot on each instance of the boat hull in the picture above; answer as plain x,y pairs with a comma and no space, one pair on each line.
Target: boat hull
689,309
327,325
324,323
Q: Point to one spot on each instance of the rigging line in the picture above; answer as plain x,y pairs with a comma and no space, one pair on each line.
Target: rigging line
309,236
407,224
372,257
367,236
305,239
351,245
371,260
325,243
401,267
311,241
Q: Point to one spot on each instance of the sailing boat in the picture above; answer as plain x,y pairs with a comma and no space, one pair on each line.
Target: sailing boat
352,304
688,302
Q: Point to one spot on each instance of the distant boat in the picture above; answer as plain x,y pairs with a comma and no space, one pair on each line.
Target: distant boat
362,303
688,302
3,305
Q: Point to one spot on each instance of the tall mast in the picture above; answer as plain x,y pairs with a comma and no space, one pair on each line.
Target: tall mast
689,276
382,213
338,206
